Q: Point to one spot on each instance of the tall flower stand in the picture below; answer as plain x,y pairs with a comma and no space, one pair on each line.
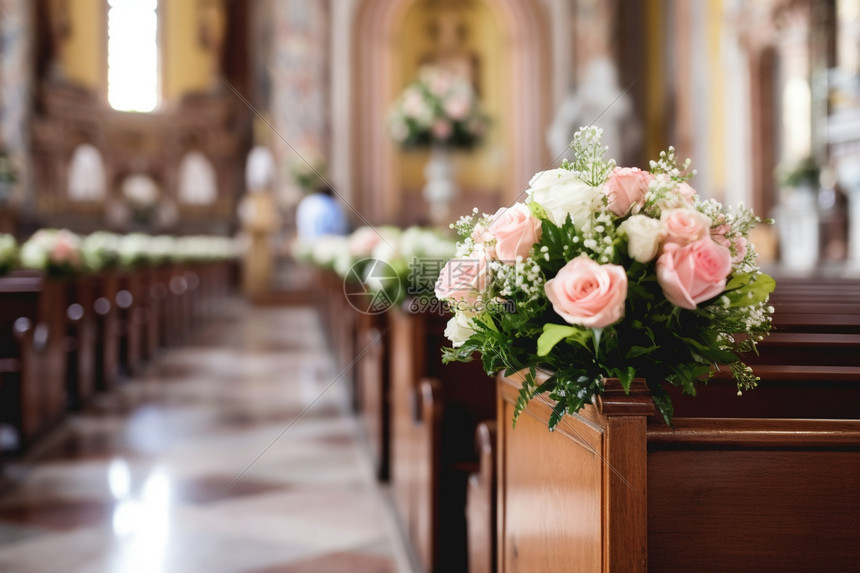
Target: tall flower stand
441,187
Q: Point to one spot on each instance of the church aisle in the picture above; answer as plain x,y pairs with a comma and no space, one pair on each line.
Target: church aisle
142,484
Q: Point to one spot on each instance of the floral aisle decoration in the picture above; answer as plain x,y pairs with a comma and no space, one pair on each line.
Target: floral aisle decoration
439,108
353,263
57,252
100,251
607,271
412,261
308,171
205,248
439,111
134,250
8,253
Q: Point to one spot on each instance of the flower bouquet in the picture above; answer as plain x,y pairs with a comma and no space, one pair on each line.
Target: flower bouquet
607,271
360,245
8,253
308,171
56,252
100,251
440,108
204,248
412,261
133,250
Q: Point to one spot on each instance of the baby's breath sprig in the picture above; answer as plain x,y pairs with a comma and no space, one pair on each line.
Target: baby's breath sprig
588,162
668,164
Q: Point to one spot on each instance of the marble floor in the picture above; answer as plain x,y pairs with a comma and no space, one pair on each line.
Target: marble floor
232,454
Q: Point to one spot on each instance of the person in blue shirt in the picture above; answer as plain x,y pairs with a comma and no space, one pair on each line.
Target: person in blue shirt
320,214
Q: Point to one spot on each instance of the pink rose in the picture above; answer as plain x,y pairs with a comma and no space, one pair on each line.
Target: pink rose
687,192
516,231
440,83
685,226
63,252
694,273
587,293
457,107
363,241
462,279
626,188
65,249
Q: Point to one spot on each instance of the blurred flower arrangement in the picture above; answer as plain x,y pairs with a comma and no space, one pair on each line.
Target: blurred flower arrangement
56,252
440,108
59,252
308,171
133,250
100,251
612,272
414,257
8,253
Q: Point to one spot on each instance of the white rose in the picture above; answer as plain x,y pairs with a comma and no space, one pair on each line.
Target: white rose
561,193
459,329
643,237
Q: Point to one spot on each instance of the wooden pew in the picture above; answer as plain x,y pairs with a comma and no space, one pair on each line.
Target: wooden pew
340,321
33,361
435,409
762,482
374,387
481,502
615,489
81,340
150,314
107,330
128,302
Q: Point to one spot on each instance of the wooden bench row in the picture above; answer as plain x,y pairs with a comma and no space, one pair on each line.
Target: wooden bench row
419,416
763,482
615,488
64,340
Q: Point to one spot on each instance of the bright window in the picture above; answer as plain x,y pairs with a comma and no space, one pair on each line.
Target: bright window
133,55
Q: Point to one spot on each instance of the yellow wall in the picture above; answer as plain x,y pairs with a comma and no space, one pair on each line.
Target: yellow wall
84,52
186,66
716,108
482,169
655,91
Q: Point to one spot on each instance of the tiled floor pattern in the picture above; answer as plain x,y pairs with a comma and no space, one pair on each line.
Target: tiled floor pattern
144,482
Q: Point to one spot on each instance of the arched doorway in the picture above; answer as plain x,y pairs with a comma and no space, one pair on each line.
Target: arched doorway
377,73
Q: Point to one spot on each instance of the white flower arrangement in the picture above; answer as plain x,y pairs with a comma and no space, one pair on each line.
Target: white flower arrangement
100,251
204,248
8,253
53,251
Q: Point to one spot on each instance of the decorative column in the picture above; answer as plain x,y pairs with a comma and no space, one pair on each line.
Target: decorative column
15,96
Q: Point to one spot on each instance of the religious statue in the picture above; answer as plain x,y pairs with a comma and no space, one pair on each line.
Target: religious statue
449,33
600,101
